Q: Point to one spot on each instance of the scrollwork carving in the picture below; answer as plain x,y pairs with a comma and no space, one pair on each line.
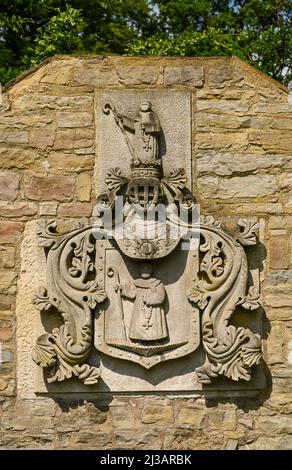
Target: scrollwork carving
74,292
220,287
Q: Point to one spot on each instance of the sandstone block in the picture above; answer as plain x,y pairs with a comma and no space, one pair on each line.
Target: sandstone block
87,75
6,356
209,121
7,257
71,120
260,185
137,439
279,253
191,416
122,416
84,187
152,414
14,136
75,210
272,443
90,440
138,75
6,332
271,141
10,231
42,103
285,181
184,75
230,420
60,188
7,282
226,164
223,105
217,76
9,184
278,301
73,139
17,157
42,138
275,424
17,209
48,208
70,162
282,124
214,141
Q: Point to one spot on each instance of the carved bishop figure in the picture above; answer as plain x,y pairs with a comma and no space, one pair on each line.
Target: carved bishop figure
146,129
148,321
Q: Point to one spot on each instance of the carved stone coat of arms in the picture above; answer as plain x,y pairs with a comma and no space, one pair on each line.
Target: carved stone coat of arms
149,280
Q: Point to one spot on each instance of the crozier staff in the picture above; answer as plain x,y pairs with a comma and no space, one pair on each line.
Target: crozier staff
146,129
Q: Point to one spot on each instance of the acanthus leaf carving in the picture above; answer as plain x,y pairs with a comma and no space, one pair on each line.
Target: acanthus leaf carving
248,230
219,288
73,290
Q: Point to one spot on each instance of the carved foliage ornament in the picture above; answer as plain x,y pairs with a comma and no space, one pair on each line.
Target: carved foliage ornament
113,296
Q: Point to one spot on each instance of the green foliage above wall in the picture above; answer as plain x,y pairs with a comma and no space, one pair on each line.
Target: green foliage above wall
259,31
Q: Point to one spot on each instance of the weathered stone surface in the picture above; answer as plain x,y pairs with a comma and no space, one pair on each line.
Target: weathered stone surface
271,141
278,301
275,343
285,181
222,105
187,75
272,443
137,440
219,75
138,75
6,332
9,184
10,231
48,208
65,119
84,187
61,162
230,420
31,102
123,417
7,282
60,188
42,138
191,416
17,209
279,253
157,414
87,74
20,158
7,257
222,141
244,186
206,121
227,164
75,210
73,139
275,424
14,136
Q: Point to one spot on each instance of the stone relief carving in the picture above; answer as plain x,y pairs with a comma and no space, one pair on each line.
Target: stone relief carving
112,280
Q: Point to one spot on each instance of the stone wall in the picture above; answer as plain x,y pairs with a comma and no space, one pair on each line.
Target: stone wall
242,166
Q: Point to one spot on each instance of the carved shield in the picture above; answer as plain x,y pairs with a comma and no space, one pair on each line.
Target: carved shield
116,316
